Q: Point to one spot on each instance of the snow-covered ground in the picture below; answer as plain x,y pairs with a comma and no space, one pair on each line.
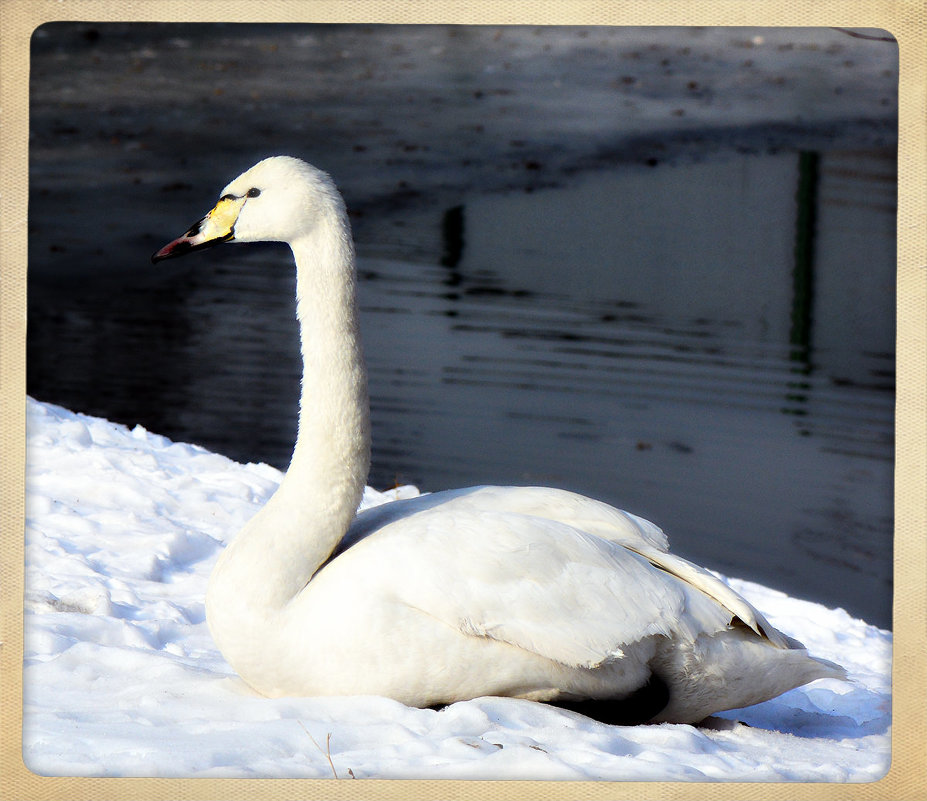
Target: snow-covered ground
122,678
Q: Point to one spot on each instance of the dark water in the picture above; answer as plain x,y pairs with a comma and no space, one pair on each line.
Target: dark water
705,340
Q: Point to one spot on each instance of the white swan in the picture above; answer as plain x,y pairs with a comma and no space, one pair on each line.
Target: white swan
519,591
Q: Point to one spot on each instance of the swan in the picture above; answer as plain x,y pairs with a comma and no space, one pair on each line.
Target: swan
530,592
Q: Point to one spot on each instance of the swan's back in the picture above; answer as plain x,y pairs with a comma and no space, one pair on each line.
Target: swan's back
577,583
585,516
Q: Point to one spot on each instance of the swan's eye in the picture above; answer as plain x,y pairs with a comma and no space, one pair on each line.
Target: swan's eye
253,192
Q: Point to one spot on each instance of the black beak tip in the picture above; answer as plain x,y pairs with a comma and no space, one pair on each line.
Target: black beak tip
170,251
182,246
159,256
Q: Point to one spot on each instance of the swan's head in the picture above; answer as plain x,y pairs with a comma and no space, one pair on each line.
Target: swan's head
280,199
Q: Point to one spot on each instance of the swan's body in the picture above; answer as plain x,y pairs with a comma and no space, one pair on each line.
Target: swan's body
529,592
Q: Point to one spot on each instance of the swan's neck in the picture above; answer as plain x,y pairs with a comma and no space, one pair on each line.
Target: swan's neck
332,452
273,557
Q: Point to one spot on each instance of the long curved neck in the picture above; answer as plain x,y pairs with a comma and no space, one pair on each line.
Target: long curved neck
332,452
273,557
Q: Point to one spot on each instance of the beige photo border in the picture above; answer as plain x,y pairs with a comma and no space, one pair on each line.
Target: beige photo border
905,19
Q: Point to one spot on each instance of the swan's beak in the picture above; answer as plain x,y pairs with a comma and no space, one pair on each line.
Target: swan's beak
217,226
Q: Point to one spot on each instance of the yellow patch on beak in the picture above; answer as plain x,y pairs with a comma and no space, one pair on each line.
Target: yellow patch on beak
217,226
220,222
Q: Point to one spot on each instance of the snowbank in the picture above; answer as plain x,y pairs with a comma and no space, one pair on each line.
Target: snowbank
121,677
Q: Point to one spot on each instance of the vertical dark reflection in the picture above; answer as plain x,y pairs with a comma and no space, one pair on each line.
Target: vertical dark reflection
802,312
452,235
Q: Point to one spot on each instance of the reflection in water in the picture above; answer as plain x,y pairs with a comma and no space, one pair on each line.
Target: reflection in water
803,277
452,234
706,386
803,269
631,336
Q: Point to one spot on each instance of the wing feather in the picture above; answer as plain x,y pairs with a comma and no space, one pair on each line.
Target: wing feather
550,571
540,584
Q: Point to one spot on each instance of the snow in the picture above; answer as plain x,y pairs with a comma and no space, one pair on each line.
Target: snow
121,677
